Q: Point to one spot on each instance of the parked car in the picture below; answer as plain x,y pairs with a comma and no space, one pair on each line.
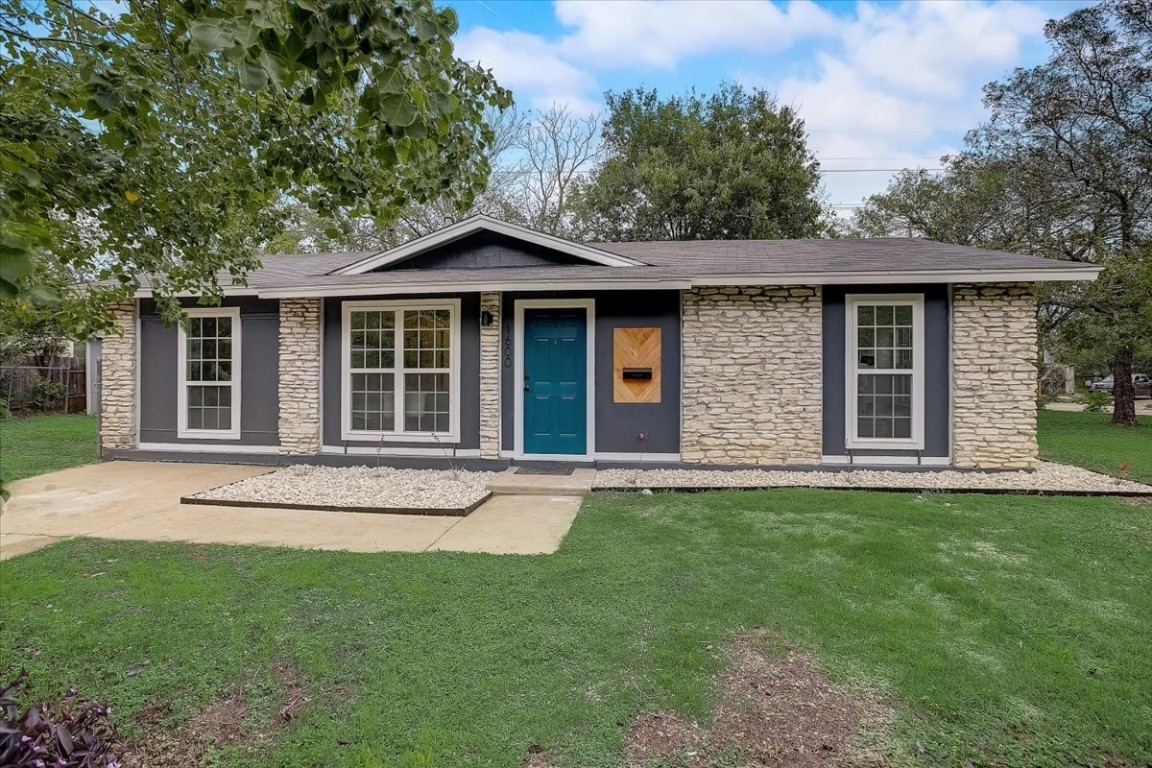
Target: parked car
1140,381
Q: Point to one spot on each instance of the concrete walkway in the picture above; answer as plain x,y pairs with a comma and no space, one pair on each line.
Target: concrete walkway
141,501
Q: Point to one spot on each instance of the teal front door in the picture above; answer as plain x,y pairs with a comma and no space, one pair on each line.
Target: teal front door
555,386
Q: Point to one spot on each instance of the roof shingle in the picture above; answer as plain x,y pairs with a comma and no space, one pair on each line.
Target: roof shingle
821,260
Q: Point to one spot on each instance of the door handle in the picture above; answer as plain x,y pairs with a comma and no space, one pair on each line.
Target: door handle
527,388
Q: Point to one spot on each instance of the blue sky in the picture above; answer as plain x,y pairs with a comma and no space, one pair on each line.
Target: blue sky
880,84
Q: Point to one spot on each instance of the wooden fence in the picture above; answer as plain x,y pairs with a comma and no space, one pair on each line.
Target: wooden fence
54,389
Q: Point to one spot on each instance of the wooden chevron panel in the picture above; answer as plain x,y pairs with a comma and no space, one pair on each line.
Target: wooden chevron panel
635,348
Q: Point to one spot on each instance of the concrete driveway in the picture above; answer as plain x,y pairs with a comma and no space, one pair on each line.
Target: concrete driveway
141,501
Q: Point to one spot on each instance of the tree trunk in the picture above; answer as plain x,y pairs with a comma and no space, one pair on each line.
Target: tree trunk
1123,393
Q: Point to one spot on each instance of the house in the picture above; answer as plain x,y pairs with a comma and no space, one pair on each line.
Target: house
491,342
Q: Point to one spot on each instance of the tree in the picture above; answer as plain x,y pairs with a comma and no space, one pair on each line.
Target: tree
30,331
1080,126
969,204
306,230
160,140
550,156
1063,168
538,162
733,165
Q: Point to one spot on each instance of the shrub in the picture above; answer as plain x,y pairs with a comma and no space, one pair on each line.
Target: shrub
1095,402
48,395
1042,401
74,734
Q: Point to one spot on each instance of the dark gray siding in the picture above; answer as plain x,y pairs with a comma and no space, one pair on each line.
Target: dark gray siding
937,420
469,373
618,425
94,353
259,374
483,251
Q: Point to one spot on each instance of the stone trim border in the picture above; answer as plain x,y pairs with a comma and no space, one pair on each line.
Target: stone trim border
425,511
990,491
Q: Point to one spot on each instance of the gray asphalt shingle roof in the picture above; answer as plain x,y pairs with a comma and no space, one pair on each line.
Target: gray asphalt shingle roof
846,255
673,261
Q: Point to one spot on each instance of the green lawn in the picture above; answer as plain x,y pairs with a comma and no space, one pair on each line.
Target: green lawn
38,444
1004,630
1089,440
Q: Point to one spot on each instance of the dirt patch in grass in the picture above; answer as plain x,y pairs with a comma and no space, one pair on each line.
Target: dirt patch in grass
537,758
294,697
217,725
665,735
220,724
772,711
154,713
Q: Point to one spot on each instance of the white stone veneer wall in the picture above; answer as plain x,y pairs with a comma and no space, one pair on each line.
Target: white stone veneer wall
490,378
994,370
299,386
751,389
118,381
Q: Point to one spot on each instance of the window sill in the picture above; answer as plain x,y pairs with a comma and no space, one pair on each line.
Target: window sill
447,440
206,434
882,444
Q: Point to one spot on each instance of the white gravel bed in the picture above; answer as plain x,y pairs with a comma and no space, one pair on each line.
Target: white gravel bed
378,488
1047,477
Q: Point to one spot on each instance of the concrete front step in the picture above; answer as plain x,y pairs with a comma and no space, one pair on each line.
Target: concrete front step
508,483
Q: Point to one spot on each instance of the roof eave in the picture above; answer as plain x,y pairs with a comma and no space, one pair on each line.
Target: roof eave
900,277
239,290
407,289
631,280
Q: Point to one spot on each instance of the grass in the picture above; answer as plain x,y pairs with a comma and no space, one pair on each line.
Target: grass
38,444
1004,630
1089,440
1007,631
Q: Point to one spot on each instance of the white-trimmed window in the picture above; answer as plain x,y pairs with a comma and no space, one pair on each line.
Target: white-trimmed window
208,398
400,364
885,371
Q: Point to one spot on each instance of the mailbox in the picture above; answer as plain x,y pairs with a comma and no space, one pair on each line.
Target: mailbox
635,365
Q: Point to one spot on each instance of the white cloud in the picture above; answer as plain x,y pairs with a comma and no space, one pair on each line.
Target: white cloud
531,66
929,48
902,84
629,33
660,34
893,84
841,100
